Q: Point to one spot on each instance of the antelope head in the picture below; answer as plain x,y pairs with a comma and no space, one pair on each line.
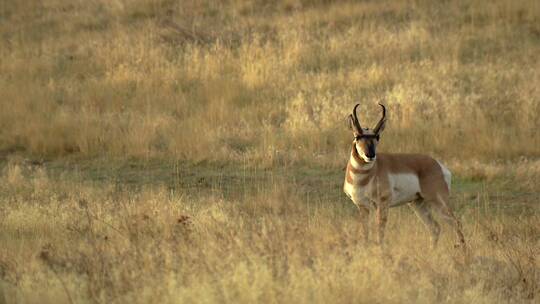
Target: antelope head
365,139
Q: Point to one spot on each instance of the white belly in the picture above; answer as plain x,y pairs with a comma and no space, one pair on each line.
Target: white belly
405,188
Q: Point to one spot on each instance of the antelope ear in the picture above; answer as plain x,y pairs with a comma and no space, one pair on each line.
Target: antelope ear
350,122
351,125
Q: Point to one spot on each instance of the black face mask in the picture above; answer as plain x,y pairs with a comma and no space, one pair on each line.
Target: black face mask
358,137
370,150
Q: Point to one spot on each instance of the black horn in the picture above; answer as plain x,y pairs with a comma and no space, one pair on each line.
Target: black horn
356,123
380,124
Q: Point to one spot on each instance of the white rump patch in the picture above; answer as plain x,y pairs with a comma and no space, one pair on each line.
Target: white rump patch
447,175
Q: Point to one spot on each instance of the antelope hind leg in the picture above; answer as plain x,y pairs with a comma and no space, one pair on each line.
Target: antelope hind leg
448,216
422,210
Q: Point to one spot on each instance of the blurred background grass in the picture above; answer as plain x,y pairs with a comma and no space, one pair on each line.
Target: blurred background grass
268,81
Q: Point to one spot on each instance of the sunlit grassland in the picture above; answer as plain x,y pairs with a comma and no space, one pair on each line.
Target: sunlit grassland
102,237
159,151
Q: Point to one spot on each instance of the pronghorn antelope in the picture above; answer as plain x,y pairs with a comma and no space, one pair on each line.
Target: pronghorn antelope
380,181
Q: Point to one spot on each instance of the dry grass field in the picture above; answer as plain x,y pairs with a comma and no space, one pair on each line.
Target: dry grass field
166,151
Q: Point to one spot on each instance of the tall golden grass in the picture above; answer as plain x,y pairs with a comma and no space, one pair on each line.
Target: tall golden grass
74,241
268,81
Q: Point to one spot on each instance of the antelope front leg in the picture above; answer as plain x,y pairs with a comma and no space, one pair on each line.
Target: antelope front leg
382,216
364,221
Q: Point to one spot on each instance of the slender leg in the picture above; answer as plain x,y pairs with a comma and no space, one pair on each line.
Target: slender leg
382,217
448,216
364,220
424,214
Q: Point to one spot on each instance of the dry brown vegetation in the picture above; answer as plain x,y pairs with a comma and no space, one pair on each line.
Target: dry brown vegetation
77,239
191,151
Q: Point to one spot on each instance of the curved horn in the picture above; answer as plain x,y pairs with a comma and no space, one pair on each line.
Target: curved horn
381,122
355,120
